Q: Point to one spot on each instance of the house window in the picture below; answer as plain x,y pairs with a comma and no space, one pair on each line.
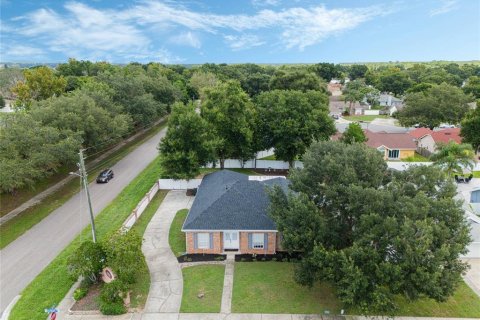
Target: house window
258,241
203,240
393,154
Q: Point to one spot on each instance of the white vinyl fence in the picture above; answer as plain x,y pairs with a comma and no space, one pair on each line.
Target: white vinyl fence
137,212
171,184
371,112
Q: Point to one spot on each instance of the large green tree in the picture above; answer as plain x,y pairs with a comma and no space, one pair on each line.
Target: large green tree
230,114
472,86
40,83
296,79
470,131
394,80
188,145
353,134
373,234
30,150
290,121
431,107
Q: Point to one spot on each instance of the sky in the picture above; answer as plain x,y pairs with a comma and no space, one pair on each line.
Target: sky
239,31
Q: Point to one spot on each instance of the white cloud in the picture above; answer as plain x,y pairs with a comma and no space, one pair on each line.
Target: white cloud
127,32
446,6
244,41
16,52
187,39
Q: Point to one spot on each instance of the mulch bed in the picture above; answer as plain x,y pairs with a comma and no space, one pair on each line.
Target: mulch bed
279,256
201,257
89,302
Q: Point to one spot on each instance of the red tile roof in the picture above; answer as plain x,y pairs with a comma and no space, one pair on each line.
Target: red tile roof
420,132
446,135
390,140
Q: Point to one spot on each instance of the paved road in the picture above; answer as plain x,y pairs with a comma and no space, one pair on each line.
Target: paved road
375,127
27,256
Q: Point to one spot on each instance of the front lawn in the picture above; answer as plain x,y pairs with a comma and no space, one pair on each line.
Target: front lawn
176,238
476,174
202,288
52,284
269,287
416,158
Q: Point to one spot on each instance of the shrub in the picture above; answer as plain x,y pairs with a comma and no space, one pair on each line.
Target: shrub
87,261
80,293
109,308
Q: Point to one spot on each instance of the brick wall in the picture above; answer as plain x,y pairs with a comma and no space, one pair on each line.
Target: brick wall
244,244
217,244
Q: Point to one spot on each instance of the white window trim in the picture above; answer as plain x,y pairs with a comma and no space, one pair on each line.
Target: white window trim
393,158
203,244
258,244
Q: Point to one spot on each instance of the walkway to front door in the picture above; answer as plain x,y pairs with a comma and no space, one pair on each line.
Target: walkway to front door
231,240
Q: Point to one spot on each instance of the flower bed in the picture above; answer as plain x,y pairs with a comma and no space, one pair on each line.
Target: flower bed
201,257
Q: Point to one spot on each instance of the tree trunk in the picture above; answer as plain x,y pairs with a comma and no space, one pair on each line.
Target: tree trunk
222,164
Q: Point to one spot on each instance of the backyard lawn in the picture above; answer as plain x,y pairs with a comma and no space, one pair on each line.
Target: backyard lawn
476,174
416,158
176,238
202,288
269,287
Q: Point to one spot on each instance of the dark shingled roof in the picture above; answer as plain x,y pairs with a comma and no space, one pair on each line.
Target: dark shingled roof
227,200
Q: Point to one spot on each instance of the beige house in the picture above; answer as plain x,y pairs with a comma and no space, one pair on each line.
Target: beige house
394,146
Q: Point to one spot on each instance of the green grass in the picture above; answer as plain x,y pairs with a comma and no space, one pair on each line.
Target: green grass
416,158
269,287
270,157
141,224
176,238
476,174
365,118
17,226
463,304
52,284
206,279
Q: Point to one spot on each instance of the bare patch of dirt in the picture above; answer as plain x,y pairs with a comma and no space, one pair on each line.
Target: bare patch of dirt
90,301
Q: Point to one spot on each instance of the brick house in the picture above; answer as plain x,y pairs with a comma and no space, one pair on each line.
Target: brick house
229,213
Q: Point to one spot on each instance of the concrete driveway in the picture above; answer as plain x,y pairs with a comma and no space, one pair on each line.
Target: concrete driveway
166,285
26,257
472,278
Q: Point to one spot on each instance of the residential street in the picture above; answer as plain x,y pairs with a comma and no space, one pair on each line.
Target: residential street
27,256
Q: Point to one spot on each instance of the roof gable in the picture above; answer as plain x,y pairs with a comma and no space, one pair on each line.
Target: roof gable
227,201
390,140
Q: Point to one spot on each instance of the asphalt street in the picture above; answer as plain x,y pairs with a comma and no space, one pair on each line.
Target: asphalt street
26,257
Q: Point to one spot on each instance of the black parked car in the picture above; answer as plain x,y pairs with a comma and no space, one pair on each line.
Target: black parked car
105,176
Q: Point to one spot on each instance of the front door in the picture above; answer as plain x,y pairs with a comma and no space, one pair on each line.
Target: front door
230,240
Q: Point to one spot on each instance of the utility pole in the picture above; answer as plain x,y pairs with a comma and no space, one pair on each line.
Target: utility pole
83,176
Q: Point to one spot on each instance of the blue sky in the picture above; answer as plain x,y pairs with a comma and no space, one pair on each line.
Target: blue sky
268,31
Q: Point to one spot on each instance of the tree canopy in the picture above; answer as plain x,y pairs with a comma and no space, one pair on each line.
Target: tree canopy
373,234
188,144
470,131
229,112
453,157
353,134
438,104
290,121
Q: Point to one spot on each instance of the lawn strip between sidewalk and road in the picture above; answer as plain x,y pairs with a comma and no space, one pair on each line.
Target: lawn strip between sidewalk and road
52,284
15,227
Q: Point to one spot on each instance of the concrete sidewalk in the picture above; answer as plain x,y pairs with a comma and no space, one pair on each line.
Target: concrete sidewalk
166,285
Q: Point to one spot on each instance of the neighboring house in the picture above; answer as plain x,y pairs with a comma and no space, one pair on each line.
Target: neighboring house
427,139
394,146
475,200
230,213
391,103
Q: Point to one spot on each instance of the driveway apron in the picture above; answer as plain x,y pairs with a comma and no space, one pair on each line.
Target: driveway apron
166,275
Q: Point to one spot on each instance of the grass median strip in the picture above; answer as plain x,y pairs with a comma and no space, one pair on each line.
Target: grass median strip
14,228
51,285
176,238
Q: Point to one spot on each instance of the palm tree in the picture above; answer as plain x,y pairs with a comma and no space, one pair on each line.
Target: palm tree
453,157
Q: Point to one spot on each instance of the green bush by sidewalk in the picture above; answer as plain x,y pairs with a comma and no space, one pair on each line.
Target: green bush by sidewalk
53,283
